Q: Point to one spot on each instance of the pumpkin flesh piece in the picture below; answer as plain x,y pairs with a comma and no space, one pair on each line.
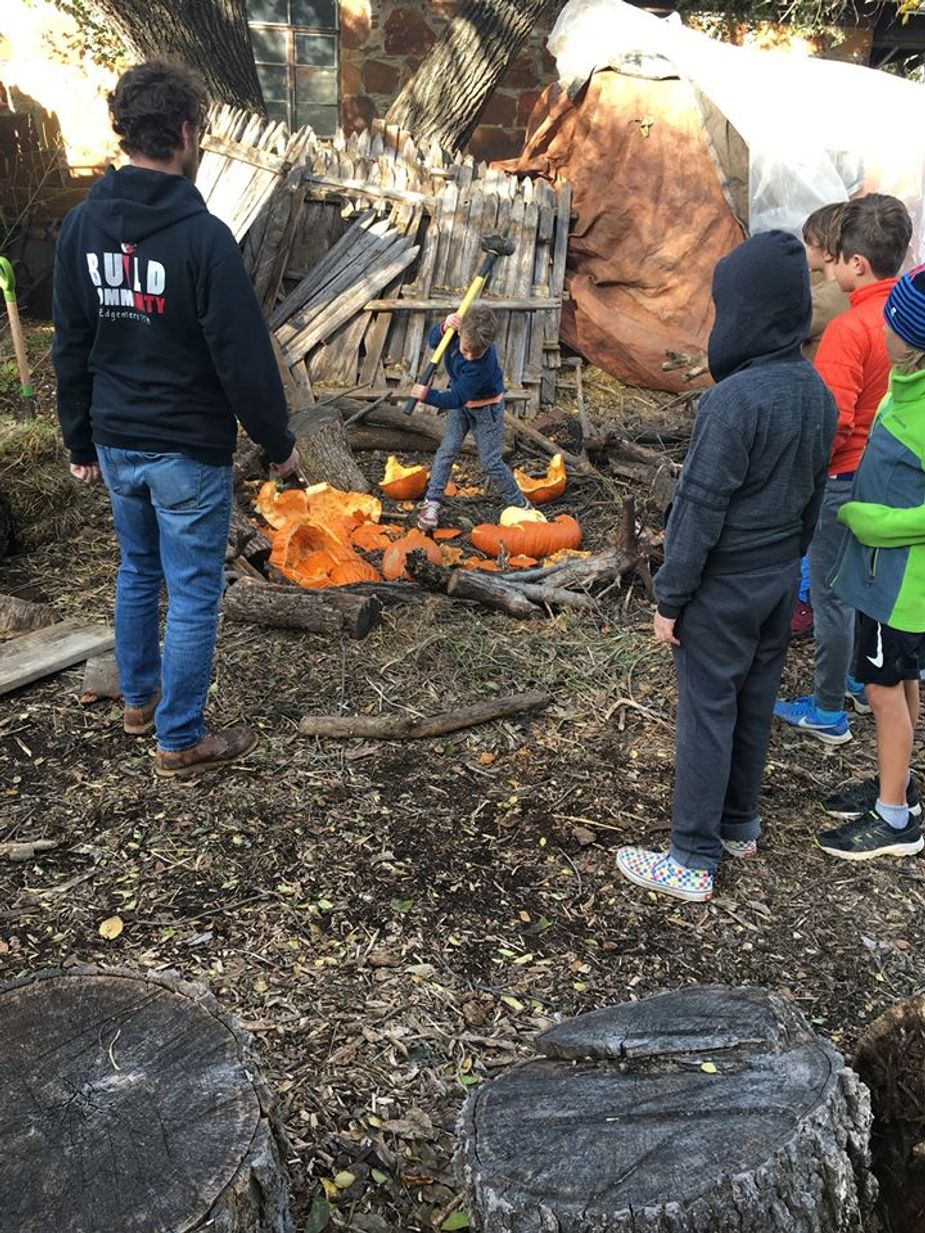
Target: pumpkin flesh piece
403,483
546,487
531,539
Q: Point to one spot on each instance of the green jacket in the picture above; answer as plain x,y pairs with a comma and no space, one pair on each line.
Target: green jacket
881,570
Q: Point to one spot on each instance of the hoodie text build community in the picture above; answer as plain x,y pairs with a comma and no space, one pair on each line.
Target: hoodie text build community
160,343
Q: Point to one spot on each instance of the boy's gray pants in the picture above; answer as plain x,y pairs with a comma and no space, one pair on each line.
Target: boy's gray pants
734,635
833,620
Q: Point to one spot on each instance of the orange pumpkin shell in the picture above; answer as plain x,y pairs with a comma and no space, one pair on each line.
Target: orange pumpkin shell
403,483
531,539
370,537
521,562
393,559
491,567
346,572
545,487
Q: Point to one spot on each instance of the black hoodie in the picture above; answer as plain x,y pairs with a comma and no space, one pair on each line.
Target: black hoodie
752,483
159,340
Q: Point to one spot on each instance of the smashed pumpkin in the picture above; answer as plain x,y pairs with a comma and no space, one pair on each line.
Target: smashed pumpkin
480,563
370,537
393,559
403,483
315,556
320,503
546,487
531,539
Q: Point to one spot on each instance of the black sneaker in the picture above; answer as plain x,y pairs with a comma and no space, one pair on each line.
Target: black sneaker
853,801
871,836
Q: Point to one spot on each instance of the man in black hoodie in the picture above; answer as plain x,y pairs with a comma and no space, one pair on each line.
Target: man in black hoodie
160,346
742,517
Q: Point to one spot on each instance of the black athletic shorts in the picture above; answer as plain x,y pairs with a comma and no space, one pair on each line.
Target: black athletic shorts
884,655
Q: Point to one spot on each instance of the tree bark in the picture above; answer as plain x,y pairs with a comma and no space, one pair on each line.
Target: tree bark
333,610
394,441
444,98
210,36
705,1110
143,1109
890,1059
325,452
470,584
20,616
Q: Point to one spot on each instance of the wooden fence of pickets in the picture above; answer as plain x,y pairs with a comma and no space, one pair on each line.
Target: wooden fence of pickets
357,246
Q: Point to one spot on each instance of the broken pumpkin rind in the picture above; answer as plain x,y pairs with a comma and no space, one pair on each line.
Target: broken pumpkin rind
402,483
546,487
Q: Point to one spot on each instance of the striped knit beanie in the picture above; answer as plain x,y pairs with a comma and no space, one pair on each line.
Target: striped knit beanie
905,308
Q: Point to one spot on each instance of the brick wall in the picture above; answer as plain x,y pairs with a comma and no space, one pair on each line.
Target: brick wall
384,41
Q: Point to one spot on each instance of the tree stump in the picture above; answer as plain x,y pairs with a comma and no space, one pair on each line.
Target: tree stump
334,610
890,1059
130,1104
705,1110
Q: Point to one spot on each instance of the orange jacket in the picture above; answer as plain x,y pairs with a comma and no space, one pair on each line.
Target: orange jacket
853,362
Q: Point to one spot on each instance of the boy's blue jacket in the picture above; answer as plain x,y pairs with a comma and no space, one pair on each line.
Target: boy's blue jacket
881,571
469,379
751,487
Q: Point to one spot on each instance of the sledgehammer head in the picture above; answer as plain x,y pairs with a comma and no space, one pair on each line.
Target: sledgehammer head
500,245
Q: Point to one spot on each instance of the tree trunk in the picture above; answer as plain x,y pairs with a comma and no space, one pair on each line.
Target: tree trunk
444,98
321,440
142,1109
705,1110
890,1058
210,36
20,616
333,610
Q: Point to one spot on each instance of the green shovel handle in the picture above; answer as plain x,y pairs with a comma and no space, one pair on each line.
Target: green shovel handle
7,281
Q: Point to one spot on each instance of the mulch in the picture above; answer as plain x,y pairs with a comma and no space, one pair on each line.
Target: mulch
395,922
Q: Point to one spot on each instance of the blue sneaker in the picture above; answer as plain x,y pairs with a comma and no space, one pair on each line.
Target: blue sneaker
856,692
803,714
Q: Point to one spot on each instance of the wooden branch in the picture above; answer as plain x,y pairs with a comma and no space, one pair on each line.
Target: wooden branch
584,572
26,849
573,461
405,728
334,610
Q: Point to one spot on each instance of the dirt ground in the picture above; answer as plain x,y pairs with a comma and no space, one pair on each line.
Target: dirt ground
394,922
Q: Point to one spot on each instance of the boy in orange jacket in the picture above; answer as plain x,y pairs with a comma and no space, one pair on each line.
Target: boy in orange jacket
873,234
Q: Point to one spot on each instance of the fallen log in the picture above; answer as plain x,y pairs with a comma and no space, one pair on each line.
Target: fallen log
394,441
423,422
143,1109
20,616
704,1110
586,572
470,584
406,728
572,461
333,610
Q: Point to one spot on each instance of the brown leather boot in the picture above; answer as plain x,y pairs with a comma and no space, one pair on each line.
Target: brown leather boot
139,720
212,752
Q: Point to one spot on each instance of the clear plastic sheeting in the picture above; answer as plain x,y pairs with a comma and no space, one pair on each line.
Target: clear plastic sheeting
816,130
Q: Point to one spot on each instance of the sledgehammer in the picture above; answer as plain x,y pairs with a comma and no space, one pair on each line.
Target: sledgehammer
494,246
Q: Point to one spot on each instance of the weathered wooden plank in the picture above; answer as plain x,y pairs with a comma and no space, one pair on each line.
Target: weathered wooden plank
446,303
523,260
33,656
356,244
398,258
325,296
556,285
262,158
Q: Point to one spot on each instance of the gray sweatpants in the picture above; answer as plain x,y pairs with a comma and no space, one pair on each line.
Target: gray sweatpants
734,636
833,620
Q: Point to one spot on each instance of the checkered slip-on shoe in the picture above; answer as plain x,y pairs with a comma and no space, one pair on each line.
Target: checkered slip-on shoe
659,871
742,849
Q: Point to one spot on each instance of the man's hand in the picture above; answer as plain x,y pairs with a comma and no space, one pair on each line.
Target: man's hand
290,467
89,474
419,392
453,322
663,628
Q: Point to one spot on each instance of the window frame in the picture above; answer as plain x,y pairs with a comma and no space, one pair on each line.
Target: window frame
292,33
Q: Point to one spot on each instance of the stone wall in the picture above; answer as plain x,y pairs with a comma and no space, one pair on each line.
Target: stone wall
384,41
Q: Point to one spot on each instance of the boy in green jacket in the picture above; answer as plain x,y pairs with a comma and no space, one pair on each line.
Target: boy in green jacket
881,573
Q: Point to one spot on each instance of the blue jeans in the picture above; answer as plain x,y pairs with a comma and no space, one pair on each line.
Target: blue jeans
833,620
171,516
487,426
